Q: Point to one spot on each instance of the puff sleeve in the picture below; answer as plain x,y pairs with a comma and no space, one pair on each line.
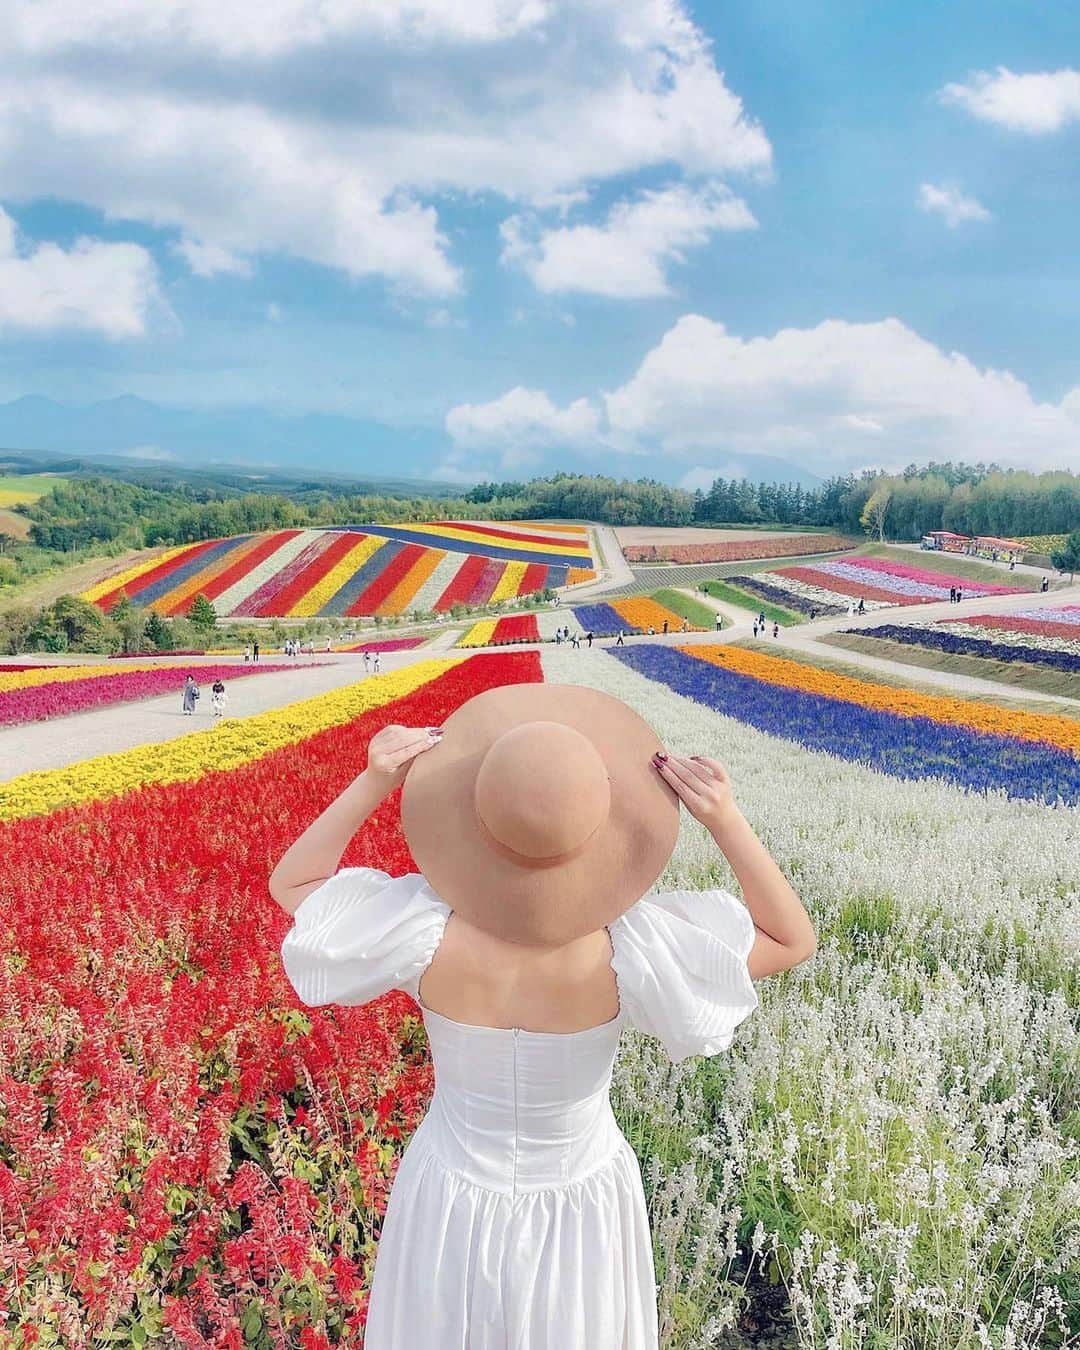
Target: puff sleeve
680,960
361,934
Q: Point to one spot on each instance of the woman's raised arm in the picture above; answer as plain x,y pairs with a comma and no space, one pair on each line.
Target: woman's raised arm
786,936
314,857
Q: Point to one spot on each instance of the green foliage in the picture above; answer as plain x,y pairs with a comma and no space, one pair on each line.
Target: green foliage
202,613
1067,558
157,632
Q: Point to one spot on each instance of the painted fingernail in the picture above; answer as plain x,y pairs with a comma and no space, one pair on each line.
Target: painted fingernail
661,756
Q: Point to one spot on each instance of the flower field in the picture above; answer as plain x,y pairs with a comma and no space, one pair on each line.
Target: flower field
376,569
878,582
398,644
498,632
789,593
738,550
1036,642
42,693
863,726
188,1156
632,615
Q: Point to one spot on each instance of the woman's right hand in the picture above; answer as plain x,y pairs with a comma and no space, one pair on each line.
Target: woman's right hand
393,749
703,786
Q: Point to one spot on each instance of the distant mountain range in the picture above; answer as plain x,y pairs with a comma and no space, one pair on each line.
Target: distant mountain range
136,431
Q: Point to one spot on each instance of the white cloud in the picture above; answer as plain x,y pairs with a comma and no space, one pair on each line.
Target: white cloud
626,256
520,423
329,131
1038,103
811,395
950,202
208,260
265,29
273,312
94,286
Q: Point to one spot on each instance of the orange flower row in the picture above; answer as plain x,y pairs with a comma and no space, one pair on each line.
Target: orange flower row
1063,732
641,610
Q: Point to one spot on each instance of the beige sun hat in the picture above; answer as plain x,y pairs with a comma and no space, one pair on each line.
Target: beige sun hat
539,817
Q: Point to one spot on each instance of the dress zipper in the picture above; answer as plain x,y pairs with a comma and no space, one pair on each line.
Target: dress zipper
514,1181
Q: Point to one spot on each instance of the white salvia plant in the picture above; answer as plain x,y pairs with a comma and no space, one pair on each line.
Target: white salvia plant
892,1135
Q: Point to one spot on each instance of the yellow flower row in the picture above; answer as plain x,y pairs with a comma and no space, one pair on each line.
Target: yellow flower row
224,746
1062,732
132,573
479,635
510,581
338,575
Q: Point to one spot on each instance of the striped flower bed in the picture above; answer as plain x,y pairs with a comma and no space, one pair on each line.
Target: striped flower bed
398,644
936,639
376,570
62,698
498,632
738,550
791,595
878,582
641,611
603,620
902,746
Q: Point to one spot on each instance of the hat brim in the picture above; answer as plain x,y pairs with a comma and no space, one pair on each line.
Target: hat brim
560,901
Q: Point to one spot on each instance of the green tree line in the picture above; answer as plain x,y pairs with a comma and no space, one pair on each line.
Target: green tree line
96,514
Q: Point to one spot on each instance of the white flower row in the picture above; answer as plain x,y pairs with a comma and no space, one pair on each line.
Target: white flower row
911,1079
446,569
819,593
230,600
1040,640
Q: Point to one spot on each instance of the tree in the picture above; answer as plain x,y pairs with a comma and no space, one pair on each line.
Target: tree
158,631
129,622
875,511
1067,559
202,613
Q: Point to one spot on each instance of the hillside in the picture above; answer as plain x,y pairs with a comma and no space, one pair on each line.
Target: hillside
362,570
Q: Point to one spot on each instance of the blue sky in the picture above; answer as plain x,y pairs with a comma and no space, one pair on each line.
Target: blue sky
621,235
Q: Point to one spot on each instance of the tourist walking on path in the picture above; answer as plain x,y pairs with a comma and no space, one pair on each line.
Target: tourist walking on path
367,660
191,694
719,622
665,627
517,1214
775,629
218,697
254,651
619,640
588,637
376,657
247,652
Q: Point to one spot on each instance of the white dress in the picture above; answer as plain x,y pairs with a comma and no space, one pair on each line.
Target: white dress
517,1218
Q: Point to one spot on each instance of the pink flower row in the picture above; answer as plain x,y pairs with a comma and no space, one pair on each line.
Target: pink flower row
897,569
44,701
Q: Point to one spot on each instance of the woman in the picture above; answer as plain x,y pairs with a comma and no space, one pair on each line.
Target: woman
539,816
191,693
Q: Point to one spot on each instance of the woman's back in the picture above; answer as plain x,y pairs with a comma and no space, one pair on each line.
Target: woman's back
480,979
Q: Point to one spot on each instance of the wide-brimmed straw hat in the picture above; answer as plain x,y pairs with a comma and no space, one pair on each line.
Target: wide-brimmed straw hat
539,816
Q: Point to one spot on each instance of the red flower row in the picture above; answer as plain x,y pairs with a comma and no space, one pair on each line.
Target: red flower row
167,1100
786,546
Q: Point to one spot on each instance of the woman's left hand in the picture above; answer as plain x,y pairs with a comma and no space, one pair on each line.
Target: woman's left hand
393,749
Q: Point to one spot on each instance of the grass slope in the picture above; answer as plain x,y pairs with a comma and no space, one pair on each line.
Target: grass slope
734,596
686,607
1047,681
